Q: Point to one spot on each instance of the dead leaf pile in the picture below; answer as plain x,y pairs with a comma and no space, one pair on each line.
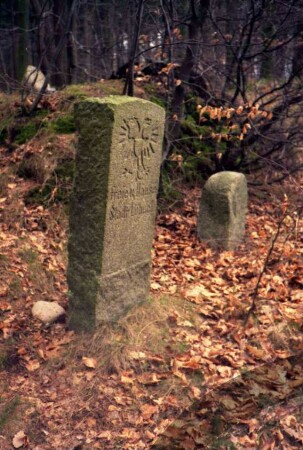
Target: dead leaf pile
210,381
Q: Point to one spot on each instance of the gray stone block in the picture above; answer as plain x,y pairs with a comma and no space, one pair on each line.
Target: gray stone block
222,211
113,208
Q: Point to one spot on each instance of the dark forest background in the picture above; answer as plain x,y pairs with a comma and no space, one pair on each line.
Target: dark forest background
216,55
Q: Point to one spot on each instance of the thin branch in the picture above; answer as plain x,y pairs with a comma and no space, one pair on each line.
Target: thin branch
53,62
255,293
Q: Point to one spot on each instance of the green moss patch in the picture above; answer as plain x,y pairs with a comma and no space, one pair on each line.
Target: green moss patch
25,132
64,124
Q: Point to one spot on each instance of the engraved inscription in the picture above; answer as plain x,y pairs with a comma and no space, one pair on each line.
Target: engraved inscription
131,192
133,209
132,201
138,138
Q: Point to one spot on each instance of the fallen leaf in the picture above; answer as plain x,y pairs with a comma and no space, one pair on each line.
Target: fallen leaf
20,440
91,422
148,410
258,353
32,365
127,380
150,378
91,363
120,400
137,355
155,286
105,435
199,291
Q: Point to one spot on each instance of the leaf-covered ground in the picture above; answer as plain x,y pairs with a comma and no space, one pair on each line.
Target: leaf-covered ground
186,370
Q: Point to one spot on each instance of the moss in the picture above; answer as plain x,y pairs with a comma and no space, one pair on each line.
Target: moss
112,87
41,113
25,132
154,95
158,101
76,91
191,168
190,127
64,124
82,91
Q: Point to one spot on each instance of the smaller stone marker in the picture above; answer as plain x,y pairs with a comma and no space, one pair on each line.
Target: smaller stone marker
113,207
223,208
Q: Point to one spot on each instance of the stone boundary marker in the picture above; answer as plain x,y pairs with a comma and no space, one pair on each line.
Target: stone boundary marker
113,207
222,211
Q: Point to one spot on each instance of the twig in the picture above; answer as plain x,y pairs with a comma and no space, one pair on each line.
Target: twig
269,253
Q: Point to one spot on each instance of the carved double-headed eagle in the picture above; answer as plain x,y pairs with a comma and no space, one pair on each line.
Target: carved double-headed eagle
139,139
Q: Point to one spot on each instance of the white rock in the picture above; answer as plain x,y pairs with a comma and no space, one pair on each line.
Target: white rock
47,312
34,79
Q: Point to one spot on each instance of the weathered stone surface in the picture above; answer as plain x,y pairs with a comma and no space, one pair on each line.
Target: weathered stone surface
223,208
47,312
112,215
34,79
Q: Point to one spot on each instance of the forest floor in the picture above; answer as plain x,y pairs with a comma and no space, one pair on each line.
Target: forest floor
188,369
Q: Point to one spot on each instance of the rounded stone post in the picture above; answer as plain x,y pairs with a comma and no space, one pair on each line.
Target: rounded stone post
222,211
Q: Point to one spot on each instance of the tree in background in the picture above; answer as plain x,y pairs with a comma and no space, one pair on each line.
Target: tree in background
241,61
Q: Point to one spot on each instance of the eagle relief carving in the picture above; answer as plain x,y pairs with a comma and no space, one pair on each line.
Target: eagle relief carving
138,138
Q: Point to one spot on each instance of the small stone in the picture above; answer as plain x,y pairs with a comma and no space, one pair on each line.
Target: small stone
47,312
223,209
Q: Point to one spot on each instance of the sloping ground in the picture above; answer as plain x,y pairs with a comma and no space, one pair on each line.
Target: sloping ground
183,371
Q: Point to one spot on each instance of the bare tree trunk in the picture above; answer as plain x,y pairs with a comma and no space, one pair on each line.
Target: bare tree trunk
59,13
129,85
44,35
22,46
87,38
56,55
72,55
176,114
297,60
